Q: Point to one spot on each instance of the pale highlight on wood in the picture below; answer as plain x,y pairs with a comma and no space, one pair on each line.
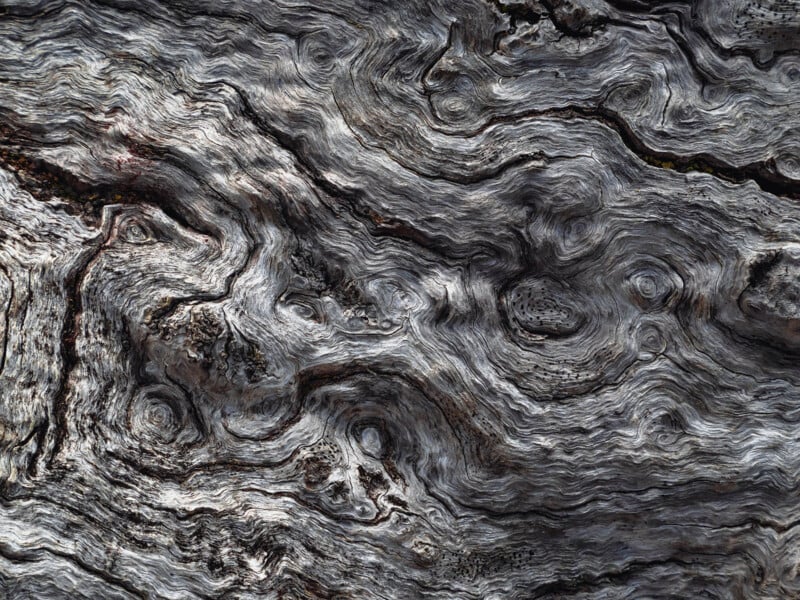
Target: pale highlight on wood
441,299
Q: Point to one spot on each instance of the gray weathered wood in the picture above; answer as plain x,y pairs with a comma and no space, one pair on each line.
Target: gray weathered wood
416,299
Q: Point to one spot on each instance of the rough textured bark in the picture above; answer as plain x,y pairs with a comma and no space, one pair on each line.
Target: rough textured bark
419,299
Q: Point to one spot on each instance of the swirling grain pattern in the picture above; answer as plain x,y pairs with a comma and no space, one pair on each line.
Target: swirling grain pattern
470,299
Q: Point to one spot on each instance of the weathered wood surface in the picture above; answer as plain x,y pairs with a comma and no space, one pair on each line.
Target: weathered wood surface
402,299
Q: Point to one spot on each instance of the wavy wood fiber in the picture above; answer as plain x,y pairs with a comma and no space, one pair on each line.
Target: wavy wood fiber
453,299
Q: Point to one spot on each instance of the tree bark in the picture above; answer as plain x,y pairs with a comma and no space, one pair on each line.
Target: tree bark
423,299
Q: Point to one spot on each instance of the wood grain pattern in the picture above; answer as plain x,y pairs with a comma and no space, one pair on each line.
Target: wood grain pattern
365,299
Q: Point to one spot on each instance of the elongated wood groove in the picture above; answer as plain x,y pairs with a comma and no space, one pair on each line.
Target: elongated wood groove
474,299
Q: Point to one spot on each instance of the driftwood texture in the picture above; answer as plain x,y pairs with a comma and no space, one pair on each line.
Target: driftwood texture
399,299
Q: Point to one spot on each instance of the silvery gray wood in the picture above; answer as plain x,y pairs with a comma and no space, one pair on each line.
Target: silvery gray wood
371,299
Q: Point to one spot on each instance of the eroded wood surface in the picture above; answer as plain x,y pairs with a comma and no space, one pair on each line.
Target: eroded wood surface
363,299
